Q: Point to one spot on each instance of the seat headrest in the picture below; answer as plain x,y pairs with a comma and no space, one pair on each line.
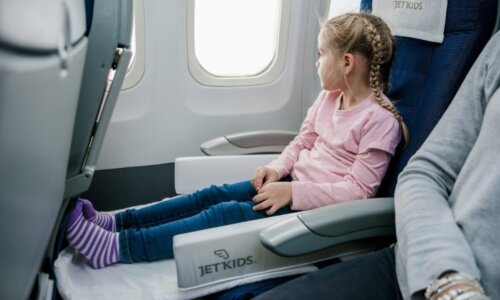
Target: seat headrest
420,20
34,25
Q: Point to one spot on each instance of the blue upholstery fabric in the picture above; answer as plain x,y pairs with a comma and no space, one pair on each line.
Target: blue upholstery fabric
89,9
425,76
424,79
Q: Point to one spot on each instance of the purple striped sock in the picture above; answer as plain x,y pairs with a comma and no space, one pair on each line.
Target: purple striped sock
99,246
103,219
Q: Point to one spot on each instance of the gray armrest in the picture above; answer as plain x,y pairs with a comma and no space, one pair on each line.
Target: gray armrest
250,142
331,225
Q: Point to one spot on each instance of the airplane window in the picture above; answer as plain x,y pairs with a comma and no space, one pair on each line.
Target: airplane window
235,38
338,7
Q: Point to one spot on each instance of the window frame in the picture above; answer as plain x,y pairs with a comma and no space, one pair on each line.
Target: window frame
136,69
269,74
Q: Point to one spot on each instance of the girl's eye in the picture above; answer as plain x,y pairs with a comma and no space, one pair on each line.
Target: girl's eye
319,53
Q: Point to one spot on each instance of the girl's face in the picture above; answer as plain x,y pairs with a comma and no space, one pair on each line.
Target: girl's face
329,69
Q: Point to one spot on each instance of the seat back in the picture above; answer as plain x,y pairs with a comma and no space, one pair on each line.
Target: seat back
425,76
42,53
109,32
108,57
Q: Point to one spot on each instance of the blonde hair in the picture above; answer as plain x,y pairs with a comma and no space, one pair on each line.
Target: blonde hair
369,36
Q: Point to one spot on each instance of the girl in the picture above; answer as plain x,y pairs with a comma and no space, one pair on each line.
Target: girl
341,154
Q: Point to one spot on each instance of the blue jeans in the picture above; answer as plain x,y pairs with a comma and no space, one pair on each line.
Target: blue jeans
146,234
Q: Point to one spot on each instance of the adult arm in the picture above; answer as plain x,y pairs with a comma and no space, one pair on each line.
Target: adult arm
430,242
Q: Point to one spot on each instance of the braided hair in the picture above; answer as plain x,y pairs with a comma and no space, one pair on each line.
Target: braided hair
369,36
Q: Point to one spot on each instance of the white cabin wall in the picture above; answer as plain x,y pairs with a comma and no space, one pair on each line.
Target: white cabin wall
168,114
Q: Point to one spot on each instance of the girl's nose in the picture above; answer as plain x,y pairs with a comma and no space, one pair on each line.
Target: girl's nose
317,63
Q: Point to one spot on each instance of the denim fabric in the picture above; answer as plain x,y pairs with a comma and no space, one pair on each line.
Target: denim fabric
146,234
371,276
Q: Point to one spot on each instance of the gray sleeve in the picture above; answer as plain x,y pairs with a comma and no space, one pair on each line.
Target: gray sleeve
429,240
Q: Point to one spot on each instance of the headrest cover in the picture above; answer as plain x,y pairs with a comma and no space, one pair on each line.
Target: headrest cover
40,25
419,19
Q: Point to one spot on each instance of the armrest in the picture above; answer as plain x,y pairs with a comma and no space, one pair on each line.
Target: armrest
197,172
233,251
230,252
250,142
330,226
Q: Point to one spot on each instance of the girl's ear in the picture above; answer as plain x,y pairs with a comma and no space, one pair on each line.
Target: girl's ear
348,63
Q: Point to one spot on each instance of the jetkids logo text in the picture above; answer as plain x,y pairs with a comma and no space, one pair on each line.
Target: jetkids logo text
227,264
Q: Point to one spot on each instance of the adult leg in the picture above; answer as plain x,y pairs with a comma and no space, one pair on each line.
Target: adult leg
371,276
154,243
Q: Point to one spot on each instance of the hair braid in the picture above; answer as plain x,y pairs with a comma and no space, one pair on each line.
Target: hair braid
379,57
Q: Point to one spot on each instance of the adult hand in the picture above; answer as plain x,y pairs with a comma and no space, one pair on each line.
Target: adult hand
459,288
455,285
263,176
273,196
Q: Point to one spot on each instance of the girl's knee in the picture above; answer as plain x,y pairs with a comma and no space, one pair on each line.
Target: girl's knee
229,212
227,207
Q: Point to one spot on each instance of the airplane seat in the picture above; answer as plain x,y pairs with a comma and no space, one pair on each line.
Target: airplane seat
42,54
109,28
423,91
300,238
106,64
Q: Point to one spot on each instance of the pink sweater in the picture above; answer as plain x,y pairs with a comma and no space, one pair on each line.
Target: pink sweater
338,155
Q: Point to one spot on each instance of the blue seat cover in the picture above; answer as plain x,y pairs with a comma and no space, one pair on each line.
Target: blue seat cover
425,76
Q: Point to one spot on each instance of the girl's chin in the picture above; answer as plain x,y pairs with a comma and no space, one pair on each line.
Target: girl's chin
328,88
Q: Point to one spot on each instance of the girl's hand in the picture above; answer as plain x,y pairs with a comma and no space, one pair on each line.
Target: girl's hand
263,176
273,196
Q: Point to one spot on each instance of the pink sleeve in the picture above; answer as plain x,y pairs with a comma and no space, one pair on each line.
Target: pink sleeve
383,132
361,182
304,140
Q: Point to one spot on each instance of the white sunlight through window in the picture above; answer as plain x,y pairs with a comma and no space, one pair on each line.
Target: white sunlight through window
234,38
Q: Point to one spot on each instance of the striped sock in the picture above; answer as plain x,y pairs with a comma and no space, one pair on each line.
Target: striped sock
103,219
99,246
